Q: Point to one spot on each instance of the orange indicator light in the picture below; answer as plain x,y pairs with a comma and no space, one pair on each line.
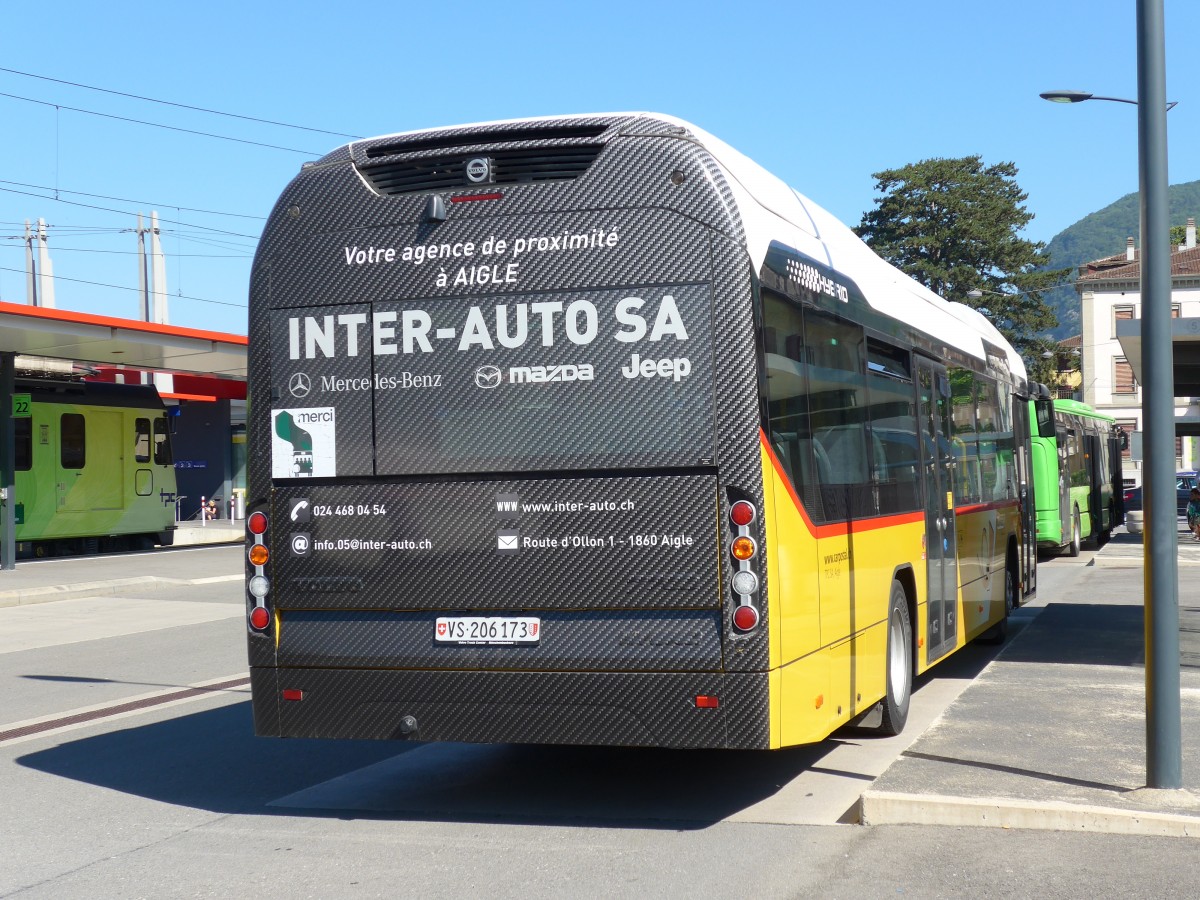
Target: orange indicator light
742,548
259,554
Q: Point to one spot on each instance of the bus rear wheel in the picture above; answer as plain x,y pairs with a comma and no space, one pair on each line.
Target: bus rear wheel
899,663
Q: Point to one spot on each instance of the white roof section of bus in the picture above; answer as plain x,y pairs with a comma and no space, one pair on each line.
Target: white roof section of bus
770,210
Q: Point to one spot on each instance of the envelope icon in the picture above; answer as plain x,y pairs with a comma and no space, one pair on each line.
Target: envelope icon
508,541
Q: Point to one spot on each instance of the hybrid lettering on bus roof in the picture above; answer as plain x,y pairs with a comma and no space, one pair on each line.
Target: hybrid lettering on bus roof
577,321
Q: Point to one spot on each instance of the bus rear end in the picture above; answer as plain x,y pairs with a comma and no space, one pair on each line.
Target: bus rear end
505,434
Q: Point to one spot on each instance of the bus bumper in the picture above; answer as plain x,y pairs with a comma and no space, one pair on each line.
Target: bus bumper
592,708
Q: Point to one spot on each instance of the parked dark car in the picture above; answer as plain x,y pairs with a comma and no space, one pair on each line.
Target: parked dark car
1184,482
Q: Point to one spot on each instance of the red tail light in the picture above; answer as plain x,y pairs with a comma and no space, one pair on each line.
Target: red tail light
257,523
259,618
745,617
742,513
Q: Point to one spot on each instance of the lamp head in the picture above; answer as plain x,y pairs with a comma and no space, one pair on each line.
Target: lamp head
1065,96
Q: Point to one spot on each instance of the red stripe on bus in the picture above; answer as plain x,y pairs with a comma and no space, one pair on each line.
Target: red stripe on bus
982,507
838,529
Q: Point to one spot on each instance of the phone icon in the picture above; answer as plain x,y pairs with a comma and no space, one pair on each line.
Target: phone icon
299,511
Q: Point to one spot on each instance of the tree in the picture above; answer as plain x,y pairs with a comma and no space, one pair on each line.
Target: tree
954,225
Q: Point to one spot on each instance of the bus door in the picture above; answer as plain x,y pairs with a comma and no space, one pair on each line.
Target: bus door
1096,475
1023,431
1064,438
937,463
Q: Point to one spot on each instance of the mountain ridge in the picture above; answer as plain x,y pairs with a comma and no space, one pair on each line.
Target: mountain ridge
1103,233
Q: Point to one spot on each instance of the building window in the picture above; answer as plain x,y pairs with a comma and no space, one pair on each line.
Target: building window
1119,313
1123,380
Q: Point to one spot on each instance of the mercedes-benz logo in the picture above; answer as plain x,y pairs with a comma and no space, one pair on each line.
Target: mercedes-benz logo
299,385
479,170
488,377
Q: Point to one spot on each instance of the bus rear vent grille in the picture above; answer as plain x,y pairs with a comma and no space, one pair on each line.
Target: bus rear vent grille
517,166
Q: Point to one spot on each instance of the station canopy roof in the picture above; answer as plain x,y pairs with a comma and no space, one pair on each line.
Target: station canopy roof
109,341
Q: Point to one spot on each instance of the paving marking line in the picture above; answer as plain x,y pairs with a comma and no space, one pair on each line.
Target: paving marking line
19,731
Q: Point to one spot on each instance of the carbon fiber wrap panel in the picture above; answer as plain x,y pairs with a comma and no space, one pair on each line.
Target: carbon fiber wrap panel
377,334
622,709
571,543
571,641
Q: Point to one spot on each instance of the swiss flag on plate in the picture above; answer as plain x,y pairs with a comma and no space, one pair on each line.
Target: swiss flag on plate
441,627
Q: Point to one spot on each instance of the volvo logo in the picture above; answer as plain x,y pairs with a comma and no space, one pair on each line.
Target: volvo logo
299,385
479,170
488,377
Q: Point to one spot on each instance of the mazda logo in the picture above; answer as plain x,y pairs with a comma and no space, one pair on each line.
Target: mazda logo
488,377
479,170
299,385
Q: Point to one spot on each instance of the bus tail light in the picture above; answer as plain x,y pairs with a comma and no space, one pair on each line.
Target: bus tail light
742,548
259,555
257,523
745,617
708,701
744,582
259,618
293,694
742,513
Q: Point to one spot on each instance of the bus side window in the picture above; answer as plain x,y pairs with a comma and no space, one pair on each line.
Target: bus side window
162,442
72,442
141,440
788,401
893,434
965,441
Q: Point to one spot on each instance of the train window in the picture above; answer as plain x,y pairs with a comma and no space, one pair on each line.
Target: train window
73,448
23,461
162,442
141,440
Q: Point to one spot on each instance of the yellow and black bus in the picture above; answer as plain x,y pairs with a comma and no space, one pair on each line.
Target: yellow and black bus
589,430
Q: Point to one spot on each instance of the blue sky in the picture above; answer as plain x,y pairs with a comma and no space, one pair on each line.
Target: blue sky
822,94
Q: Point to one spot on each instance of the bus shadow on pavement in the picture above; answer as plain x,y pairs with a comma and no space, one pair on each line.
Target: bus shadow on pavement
210,760
1082,634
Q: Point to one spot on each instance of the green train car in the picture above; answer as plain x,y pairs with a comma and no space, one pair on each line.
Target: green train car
93,468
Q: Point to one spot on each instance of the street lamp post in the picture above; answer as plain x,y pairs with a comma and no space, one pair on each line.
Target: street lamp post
1164,752
1080,96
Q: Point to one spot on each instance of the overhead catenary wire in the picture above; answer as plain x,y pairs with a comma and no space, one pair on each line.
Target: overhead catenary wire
125,212
202,109
165,252
121,287
222,137
175,206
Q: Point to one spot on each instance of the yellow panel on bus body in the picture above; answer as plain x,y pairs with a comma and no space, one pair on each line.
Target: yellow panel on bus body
828,592
798,708
983,535
774,617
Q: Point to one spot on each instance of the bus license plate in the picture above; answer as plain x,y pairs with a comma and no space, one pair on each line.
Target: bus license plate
487,630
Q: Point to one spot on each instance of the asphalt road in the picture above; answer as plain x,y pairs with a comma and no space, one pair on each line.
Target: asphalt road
128,768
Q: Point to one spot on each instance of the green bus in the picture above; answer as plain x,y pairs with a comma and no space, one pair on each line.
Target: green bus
1076,474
